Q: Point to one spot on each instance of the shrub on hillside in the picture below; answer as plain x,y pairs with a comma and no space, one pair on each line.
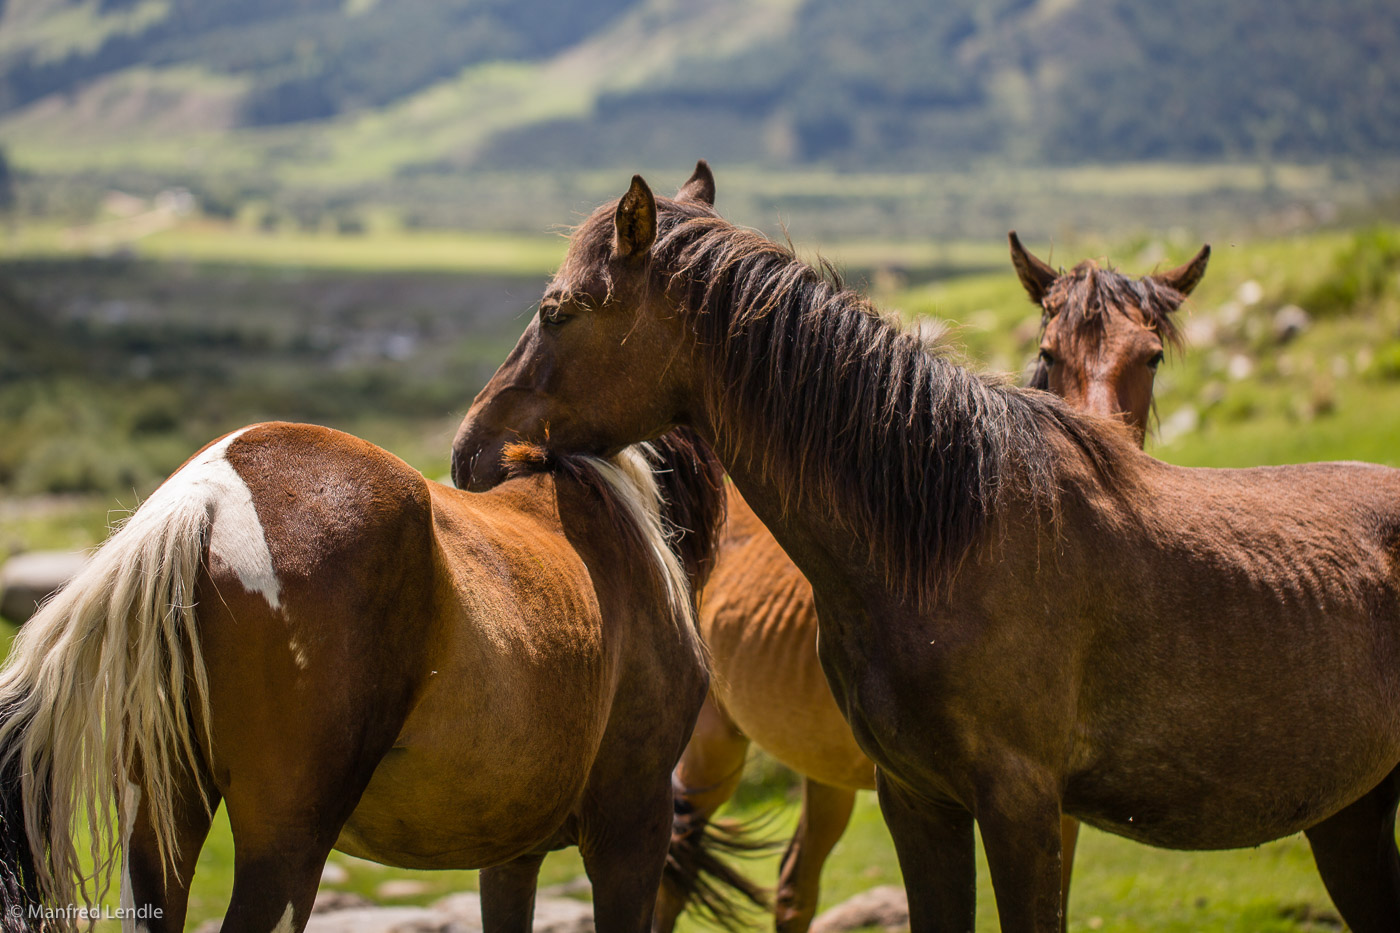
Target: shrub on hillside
1367,268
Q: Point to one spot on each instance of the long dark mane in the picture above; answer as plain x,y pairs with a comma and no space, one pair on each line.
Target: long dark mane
907,450
1084,297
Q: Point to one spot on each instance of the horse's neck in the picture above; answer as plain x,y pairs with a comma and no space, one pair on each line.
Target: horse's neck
840,564
829,556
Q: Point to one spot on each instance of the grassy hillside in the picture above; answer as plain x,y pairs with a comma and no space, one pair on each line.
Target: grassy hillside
357,89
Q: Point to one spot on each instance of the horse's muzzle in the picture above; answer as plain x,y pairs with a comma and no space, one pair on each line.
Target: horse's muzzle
476,464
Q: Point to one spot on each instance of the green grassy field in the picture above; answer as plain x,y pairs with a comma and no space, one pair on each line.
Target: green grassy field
1331,392
231,244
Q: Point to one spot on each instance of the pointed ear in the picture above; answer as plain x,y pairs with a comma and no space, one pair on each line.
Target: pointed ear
1036,277
635,221
1185,278
700,187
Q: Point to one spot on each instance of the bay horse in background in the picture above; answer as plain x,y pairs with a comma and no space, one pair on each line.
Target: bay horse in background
348,656
1103,335
1022,615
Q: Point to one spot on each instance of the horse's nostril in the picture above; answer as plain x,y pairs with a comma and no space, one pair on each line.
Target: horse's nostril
462,469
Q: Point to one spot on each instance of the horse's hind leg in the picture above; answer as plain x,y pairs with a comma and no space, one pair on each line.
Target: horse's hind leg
155,895
291,792
275,883
825,812
1356,855
297,740
508,895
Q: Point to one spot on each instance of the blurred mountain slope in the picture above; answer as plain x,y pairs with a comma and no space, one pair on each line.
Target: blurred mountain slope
372,89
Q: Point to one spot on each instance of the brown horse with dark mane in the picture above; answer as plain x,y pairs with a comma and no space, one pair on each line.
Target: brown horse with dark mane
348,656
1022,614
1103,335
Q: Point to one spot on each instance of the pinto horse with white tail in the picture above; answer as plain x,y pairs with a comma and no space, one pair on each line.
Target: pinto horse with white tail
1022,615
1103,335
348,656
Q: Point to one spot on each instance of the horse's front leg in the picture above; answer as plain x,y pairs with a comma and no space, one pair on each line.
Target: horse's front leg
1021,833
1069,841
508,895
706,776
623,844
937,856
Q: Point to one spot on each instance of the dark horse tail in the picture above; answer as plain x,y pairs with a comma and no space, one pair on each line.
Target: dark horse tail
699,876
692,485
19,875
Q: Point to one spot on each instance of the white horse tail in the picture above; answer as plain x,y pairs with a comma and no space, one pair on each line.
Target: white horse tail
106,682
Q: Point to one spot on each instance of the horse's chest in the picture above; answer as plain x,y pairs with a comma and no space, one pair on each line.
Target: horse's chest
897,693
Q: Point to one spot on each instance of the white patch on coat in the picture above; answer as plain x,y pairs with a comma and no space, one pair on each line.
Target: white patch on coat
236,534
287,923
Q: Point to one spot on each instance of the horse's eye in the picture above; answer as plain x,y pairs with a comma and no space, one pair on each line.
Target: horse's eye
1047,357
1155,361
553,314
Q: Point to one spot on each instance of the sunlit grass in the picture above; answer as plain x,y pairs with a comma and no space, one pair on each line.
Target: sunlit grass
1118,885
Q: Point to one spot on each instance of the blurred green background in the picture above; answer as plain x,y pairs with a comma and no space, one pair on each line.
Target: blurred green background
214,212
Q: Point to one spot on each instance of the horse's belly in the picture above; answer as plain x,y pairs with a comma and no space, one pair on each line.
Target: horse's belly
774,691
1271,790
803,729
466,786
425,809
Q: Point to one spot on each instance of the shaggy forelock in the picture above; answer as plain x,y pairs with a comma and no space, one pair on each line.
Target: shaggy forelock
1082,298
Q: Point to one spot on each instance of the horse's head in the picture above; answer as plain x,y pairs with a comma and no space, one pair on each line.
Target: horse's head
603,363
1104,334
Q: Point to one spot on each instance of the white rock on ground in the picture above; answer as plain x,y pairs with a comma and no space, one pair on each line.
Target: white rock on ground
343,912
382,920
333,873
28,579
885,907
1289,322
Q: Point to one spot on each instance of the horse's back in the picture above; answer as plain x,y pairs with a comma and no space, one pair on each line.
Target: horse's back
1288,527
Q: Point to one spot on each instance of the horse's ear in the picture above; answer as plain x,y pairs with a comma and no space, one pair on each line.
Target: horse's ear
1036,276
700,187
1186,277
635,221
